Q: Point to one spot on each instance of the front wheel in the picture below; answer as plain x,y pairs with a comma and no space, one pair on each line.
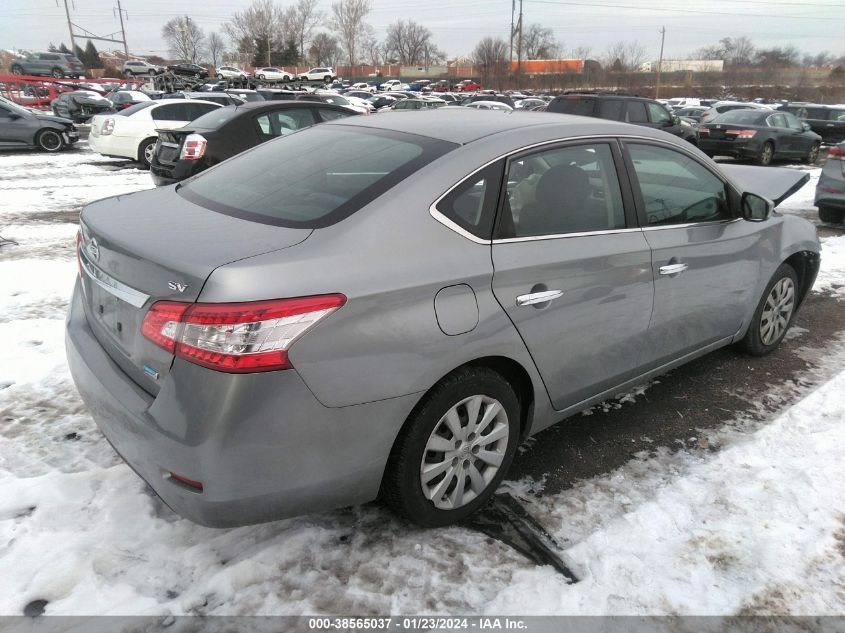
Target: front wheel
773,314
145,152
767,153
454,449
813,155
327,79
219,76
17,70
262,77
49,141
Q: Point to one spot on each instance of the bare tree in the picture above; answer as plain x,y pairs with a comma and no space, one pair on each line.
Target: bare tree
538,42
216,47
581,52
348,20
625,56
491,57
325,50
408,42
261,24
371,49
184,38
304,17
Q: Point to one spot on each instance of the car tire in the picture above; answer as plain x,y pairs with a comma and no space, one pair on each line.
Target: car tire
427,438
219,76
262,77
774,313
17,70
327,79
129,74
57,73
830,215
767,154
813,154
49,141
145,151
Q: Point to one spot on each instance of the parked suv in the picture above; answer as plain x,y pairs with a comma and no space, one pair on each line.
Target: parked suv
54,64
317,74
134,67
636,110
826,121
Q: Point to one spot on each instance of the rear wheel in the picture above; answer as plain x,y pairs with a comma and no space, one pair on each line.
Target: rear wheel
49,141
813,155
774,313
57,73
454,450
262,77
145,151
767,153
831,216
327,79
17,70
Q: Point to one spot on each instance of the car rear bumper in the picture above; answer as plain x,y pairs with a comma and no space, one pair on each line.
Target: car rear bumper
262,445
737,149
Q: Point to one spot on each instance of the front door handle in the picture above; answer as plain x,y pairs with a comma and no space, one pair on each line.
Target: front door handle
538,297
673,269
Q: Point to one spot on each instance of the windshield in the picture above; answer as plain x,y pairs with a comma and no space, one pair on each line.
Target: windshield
748,117
14,107
312,178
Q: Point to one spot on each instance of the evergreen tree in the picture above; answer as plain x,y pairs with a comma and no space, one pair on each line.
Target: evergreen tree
64,49
92,57
52,48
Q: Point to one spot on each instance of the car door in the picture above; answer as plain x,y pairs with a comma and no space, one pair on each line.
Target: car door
16,129
834,126
571,270
801,140
705,260
660,119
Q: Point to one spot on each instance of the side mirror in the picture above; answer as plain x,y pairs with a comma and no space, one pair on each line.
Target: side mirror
755,208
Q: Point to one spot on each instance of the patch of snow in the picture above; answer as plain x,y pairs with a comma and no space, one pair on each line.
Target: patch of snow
831,276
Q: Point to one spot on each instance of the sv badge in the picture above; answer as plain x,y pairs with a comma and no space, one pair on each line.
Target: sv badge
175,285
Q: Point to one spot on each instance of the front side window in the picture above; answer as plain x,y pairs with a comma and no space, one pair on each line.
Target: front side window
677,189
635,112
571,189
338,169
658,114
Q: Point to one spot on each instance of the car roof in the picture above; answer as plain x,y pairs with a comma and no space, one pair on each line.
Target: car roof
464,125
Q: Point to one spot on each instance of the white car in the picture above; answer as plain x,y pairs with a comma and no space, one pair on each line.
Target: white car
490,105
131,133
135,67
362,86
271,73
352,103
325,74
230,72
390,84
720,107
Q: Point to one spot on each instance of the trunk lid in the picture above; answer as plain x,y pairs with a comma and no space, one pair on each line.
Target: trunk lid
155,245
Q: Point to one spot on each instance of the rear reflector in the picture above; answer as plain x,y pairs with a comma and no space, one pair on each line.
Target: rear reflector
236,337
190,483
194,147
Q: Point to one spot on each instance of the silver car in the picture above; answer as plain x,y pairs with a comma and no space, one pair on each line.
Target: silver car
394,311
830,190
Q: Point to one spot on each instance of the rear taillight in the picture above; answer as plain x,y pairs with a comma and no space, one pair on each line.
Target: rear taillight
704,130
742,133
236,337
108,127
193,148
836,153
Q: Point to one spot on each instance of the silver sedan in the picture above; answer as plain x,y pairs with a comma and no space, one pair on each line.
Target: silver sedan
389,306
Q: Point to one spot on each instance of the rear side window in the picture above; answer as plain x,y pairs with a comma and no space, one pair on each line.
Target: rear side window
611,109
336,171
472,204
135,108
676,189
635,112
196,110
171,112
574,105
283,122
836,115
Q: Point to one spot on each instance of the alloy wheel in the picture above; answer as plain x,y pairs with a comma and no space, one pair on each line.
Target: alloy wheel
813,156
464,452
149,151
766,154
777,312
50,141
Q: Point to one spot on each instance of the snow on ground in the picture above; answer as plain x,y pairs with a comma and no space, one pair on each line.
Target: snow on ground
749,526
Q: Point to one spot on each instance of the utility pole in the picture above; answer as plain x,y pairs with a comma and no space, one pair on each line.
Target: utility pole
513,10
122,30
659,63
519,42
70,29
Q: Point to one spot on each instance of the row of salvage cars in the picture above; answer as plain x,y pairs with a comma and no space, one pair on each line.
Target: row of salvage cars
272,336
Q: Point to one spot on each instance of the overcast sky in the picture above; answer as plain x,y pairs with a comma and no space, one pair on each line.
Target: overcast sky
812,26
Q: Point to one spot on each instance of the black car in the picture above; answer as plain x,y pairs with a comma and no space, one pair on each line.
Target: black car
188,70
280,94
826,121
762,135
25,129
221,134
80,105
630,109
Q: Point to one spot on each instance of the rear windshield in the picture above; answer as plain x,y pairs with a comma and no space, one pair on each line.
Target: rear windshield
749,117
315,177
135,108
216,118
573,105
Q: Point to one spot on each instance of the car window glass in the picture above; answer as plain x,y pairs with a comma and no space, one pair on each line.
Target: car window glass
284,122
635,112
564,190
658,114
676,189
814,113
573,105
331,115
611,109
171,112
196,110
472,204
792,122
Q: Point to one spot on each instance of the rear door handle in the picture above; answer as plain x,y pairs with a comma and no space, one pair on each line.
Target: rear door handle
538,297
673,269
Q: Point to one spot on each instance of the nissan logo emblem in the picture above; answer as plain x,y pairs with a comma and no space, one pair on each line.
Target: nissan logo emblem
94,249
